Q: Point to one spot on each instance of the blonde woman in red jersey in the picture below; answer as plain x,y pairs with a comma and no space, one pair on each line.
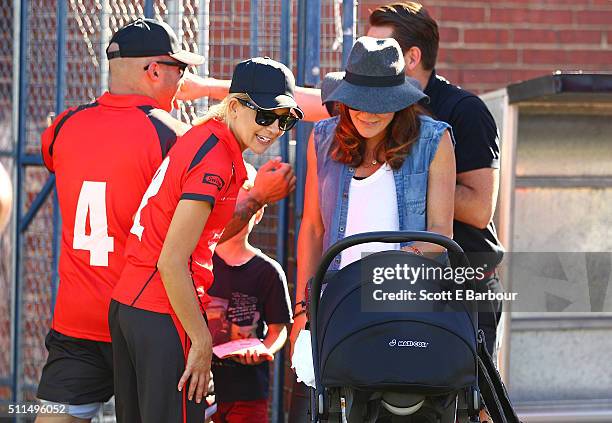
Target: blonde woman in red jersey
161,343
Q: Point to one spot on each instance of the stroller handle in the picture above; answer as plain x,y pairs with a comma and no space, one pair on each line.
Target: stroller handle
337,248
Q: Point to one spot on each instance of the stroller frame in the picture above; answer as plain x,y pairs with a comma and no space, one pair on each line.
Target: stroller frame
319,395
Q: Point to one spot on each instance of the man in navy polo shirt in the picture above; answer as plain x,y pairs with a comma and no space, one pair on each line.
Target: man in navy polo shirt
476,144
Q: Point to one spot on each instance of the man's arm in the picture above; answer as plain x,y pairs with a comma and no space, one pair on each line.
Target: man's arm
193,87
477,153
274,181
309,100
476,196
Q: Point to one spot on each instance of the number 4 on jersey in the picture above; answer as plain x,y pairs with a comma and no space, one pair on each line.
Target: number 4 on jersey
92,201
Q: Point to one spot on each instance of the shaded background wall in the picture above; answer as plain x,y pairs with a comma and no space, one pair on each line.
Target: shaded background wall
487,44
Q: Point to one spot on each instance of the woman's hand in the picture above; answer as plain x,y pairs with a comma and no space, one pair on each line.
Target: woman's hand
274,181
299,324
197,369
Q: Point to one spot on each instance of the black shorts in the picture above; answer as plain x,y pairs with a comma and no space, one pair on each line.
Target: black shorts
489,317
150,352
78,371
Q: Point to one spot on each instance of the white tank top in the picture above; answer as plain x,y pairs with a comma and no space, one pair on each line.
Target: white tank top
372,207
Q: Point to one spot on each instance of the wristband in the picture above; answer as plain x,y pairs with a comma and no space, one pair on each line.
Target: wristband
300,303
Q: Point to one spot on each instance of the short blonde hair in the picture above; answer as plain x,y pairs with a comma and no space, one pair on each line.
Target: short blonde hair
220,111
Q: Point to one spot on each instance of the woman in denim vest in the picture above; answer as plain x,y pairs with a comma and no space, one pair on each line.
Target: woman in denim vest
381,164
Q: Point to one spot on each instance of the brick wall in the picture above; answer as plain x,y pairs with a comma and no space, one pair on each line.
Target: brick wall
487,44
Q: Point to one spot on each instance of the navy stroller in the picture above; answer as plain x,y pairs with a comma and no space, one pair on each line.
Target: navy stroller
418,365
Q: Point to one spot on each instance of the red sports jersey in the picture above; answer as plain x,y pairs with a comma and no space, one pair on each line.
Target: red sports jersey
206,165
104,155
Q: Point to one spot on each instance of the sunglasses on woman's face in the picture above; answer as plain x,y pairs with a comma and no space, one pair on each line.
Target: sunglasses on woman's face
267,117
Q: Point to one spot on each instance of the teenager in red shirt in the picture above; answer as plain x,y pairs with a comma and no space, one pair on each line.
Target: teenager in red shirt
161,343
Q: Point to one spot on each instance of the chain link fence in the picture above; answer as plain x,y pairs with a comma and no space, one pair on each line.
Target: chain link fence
331,36
38,100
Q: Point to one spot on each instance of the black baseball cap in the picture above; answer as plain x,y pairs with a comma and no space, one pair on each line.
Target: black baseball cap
269,83
147,38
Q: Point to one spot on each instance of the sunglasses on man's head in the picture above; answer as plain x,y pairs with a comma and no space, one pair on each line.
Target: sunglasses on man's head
267,117
182,66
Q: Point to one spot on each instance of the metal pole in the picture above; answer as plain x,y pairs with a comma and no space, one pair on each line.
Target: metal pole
175,13
105,33
282,231
313,43
60,64
60,92
506,214
204,45
174,19
149,11
254,28
309,18
285,28
308,26
349,27
19,89
180,12
301,39
278,387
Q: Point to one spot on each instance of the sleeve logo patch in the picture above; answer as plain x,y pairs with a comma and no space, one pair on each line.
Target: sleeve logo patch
216,180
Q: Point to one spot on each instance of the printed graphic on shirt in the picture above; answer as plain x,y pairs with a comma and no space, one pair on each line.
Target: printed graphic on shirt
233,318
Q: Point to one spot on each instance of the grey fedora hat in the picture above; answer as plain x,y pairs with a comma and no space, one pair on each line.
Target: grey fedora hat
374,81
329,84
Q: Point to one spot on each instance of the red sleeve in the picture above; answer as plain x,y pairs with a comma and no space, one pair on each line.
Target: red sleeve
208,179
47,139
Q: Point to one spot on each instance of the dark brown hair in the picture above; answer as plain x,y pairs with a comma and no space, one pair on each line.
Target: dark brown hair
349,146
412,27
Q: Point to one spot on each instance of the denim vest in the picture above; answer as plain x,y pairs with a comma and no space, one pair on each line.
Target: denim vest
410,181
